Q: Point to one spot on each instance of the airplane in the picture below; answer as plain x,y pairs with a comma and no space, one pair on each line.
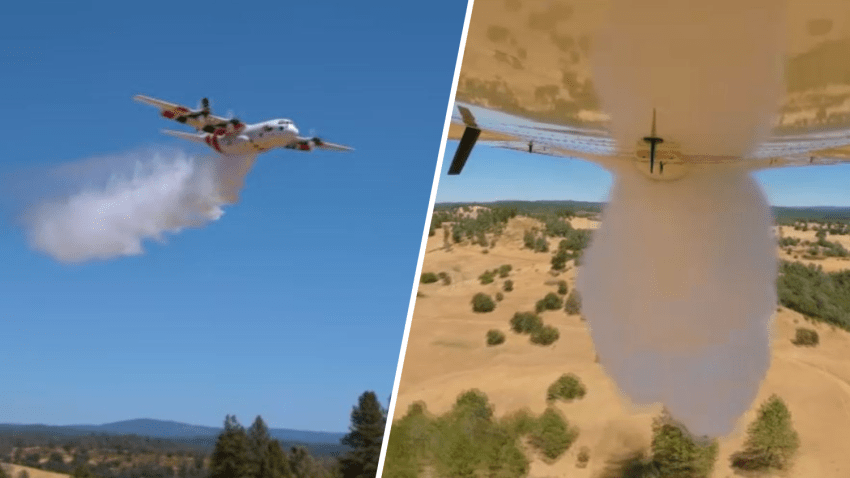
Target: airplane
232,137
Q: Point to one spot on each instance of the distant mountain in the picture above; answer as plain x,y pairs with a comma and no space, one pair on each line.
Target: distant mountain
169,430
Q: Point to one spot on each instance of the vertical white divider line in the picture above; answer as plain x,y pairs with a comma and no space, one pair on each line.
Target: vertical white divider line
422,247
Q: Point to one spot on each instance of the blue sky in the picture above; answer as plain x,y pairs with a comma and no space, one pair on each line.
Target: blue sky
291,305
493,174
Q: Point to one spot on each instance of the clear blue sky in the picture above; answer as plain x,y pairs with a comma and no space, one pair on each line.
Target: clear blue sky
493,174
291,305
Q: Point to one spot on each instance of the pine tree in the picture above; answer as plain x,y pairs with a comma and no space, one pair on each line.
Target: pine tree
276,464
771,439
368,421
304,465
230,458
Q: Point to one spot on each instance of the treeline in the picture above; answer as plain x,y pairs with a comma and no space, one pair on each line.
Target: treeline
530,208
473,227
810,291
237,452
469,441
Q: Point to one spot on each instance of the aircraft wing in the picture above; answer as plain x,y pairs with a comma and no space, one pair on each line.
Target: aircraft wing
308,144
183,114
507,131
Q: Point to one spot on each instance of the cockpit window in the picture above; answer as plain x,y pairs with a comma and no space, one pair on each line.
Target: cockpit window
267,128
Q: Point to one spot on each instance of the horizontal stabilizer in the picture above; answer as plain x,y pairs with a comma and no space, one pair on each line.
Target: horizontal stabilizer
198,138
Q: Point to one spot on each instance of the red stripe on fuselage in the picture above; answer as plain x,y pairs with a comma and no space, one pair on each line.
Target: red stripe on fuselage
168,114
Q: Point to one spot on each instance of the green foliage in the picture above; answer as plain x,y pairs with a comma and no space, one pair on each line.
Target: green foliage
541,244
567,387
535,243
504,270
805,337
3,472
495,337
82,471
526,322
812,292
788,241
499,296
546,335
508,286
552,435
551,301
487,277
428,278
368,421
474,229
482,302
771,439
445,278
676,453
562,288
231,458
573,303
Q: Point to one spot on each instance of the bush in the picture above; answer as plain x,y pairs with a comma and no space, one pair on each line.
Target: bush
771,439
482,302
676,453
567,387
573,305
495,337
428,278
806,337
499,296
541,244
526,322
487,277
446,278
509,285
551,302
546,335
552,435
504,270
562,288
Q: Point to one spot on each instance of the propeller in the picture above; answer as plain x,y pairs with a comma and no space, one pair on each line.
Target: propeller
315,139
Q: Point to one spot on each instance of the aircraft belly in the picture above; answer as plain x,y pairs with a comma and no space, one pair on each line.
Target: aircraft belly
235,146
535,61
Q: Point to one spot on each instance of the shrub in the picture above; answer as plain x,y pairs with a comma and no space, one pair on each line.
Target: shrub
499,296
509,285
526,322
487,277
541,244
771,439
567,387
562,288
446,278
546,335
573,305
482,302
504,270
676,453
428,278
806,337
495,337
552,435
552,301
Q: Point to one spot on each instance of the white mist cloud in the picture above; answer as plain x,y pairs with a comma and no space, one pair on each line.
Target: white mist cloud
108,207
678,288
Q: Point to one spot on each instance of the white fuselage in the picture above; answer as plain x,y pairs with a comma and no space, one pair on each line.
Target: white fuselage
253,138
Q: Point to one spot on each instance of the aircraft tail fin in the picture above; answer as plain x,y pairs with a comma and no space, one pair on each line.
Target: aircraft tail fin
198,138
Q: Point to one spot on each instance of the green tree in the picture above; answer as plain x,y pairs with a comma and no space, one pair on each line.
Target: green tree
82,471
304,465
266,456
677,454
368,421
231,458
567,387
771,439
482,302
495,337
3,472
552,435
